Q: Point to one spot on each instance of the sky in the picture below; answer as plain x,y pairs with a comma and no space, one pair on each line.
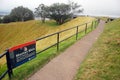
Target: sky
91,7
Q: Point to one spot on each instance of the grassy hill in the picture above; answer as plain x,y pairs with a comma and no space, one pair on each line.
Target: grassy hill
15,33
103,60
19,32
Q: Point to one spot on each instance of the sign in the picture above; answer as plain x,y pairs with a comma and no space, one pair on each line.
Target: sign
22,53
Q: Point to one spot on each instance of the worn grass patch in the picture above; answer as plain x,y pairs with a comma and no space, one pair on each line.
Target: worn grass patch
103,60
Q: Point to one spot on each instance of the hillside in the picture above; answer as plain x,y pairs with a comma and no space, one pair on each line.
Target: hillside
16,33
103,60
19,32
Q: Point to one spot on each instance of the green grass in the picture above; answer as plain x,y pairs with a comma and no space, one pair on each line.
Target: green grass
103,60
27,69
16,33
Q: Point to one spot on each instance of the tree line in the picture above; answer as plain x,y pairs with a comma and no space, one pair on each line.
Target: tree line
60,12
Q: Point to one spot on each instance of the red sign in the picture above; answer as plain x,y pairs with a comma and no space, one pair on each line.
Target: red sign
21,46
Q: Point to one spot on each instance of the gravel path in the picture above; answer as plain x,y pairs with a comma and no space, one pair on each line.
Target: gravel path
65,66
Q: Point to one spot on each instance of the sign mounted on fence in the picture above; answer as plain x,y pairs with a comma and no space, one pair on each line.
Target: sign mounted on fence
22,53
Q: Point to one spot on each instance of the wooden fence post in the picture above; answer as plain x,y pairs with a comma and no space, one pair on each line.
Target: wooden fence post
57,41
95,24
92,26
86,28
76,32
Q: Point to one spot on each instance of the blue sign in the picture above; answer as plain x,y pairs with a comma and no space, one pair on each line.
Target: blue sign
22,53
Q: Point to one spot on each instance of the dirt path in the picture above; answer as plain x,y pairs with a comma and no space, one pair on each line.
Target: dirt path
65,66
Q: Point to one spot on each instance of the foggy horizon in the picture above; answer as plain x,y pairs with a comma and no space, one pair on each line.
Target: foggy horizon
91,7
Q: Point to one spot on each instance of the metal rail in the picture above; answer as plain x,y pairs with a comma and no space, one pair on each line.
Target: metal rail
94,24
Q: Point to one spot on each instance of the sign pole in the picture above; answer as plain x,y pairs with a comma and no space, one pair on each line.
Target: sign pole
10,72
20,54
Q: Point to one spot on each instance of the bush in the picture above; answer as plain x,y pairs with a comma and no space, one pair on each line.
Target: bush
0,20
6,19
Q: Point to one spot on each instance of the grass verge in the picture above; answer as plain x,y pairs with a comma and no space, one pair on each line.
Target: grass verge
103,60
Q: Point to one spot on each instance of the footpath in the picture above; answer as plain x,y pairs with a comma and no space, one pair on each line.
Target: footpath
65,66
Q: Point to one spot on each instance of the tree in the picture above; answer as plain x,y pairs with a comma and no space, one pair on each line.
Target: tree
21,14
59,12
75,8
42,11
0,20
6,19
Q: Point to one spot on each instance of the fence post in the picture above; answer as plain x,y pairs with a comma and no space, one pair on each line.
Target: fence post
57,41
76,32
95,24
92,26
86,28
10,72
98,21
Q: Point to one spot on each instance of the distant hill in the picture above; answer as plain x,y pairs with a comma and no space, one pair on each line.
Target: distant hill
2,14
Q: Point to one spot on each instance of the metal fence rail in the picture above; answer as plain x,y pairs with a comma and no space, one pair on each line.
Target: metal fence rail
58,34
3,54
8,71
3,75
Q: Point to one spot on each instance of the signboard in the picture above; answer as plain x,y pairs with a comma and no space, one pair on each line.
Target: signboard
22,53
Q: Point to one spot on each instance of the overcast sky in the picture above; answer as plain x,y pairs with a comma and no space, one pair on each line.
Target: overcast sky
91,7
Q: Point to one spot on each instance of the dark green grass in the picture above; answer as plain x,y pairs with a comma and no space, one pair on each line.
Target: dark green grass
103,60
